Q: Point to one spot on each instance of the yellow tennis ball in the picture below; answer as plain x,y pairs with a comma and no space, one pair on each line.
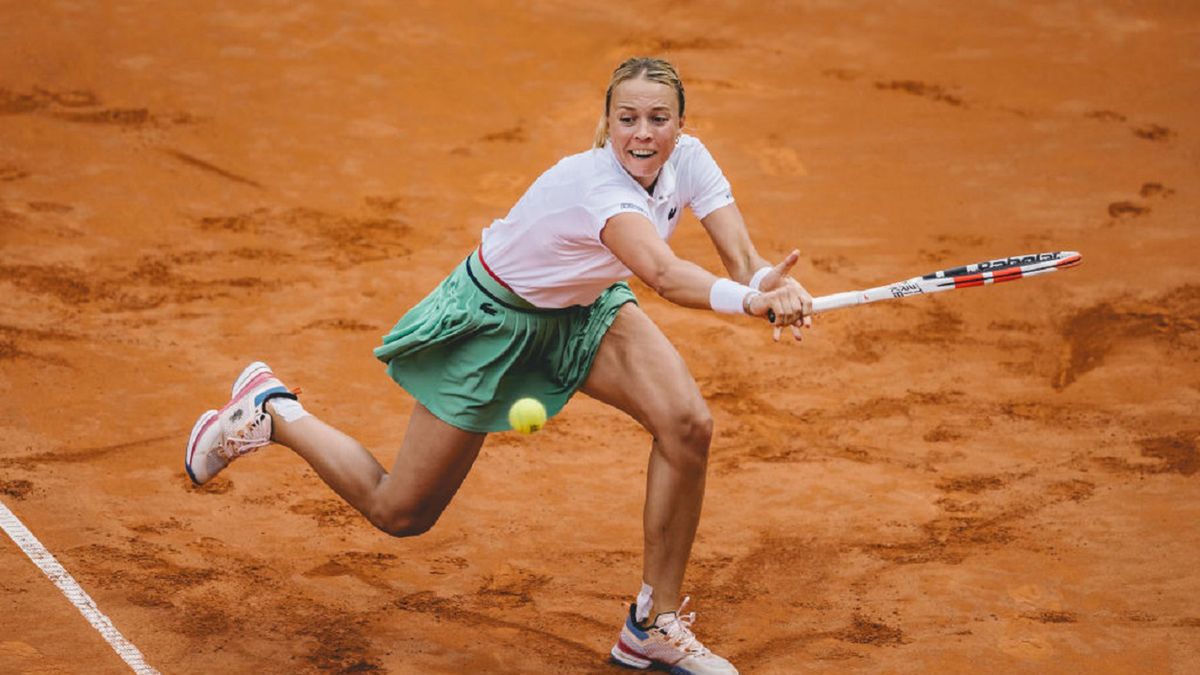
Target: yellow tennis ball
527,415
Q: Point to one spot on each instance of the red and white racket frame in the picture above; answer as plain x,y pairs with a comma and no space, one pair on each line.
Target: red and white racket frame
995,271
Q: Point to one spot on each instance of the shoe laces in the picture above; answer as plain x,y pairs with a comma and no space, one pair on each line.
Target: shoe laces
249,437
679,631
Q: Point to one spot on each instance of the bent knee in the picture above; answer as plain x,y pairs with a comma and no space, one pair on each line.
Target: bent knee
686,436
405,523
697,428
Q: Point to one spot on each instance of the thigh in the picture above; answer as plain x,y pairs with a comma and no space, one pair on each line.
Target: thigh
434,459
639,371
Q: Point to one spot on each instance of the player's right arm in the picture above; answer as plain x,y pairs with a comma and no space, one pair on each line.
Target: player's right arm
633,239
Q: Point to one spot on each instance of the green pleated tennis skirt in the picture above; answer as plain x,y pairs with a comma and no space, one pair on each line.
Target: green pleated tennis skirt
472,347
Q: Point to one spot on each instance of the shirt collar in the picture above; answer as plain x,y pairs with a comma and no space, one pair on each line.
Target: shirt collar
664,189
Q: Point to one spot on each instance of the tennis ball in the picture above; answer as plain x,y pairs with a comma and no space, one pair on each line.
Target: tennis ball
527,415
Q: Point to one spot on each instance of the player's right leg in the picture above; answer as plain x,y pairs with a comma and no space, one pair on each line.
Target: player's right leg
431,464
433,460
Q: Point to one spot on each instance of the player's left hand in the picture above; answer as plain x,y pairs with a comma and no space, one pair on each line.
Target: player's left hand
778,278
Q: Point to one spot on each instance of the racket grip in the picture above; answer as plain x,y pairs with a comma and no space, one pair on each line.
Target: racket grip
825,303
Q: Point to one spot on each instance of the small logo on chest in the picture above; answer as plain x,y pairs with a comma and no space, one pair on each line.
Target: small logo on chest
671,215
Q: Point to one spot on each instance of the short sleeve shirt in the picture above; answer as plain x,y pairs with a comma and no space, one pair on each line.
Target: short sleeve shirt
548,248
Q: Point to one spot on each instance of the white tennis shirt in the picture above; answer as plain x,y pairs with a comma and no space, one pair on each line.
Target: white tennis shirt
548,249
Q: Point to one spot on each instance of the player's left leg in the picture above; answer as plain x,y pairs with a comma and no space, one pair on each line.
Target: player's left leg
638,371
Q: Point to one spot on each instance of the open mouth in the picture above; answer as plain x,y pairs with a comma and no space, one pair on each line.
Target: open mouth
642,154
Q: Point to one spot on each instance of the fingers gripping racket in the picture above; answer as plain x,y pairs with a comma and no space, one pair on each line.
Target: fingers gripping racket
987,272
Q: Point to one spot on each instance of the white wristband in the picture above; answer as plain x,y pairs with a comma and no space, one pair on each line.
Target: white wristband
727,296
756,280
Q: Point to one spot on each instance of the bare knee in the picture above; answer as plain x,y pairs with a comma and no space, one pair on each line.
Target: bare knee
405,522
686,435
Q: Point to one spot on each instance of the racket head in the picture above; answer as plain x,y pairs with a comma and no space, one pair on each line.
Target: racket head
998,270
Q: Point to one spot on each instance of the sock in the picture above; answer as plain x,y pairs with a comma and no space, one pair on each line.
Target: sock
644,602
288,408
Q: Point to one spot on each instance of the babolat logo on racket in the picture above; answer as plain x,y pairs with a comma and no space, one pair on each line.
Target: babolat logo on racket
1016,261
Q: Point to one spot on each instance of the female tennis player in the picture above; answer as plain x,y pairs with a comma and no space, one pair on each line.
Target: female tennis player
541,309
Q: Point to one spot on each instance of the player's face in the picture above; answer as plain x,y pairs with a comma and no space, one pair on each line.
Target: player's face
643,125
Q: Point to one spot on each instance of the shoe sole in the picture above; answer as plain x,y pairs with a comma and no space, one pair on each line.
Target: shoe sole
650,665
626,660
198,429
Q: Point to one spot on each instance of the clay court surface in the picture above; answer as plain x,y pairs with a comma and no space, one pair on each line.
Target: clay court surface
990,480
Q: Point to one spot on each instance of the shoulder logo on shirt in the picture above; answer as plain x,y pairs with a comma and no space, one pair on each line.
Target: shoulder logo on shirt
635,207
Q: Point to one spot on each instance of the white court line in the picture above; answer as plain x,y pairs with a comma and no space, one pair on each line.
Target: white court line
70,588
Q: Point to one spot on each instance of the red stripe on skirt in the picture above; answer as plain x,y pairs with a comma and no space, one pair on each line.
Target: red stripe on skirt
491,273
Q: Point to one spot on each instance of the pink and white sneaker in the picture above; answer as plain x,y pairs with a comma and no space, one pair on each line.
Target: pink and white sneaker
242,426
667,644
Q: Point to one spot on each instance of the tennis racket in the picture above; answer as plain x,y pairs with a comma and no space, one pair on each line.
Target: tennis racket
987,272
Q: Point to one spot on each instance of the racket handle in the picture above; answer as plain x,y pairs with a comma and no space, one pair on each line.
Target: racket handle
824,303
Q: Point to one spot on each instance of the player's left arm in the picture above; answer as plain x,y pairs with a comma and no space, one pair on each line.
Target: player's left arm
729,235
727,229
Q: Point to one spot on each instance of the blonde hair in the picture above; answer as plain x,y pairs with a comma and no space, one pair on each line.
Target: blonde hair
652,69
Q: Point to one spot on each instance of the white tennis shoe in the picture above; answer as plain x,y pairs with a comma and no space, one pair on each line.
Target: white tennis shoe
242,426
668,643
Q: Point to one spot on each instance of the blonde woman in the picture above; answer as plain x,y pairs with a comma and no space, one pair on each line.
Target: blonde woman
540,308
